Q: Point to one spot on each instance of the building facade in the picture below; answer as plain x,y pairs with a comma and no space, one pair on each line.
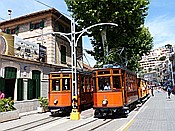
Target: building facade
23,76
157,67
39,27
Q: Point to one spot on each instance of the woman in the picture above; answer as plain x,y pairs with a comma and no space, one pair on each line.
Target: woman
2,95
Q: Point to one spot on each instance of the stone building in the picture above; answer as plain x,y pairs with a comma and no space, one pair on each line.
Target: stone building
25,79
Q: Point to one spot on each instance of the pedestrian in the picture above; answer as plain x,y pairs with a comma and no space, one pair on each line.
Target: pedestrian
107,86
152,91
2,95
169,91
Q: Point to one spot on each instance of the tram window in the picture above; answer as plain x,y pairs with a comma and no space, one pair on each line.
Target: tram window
103,72
55,75
66,84
116,82
116,71
55,85
82,84
102,82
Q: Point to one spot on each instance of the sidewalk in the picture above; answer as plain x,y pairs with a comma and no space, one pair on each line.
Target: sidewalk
157,114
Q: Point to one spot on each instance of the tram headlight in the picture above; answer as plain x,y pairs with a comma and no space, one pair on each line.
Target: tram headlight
104,102
55,101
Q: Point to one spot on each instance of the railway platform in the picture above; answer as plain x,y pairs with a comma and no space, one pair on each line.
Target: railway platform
157,114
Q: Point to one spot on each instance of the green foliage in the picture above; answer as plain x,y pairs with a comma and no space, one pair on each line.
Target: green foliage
162,58
130,33
7,104
43,102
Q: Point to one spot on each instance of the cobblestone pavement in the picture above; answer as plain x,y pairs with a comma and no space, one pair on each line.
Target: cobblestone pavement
158,114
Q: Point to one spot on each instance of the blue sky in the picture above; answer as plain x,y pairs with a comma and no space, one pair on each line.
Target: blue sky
160,19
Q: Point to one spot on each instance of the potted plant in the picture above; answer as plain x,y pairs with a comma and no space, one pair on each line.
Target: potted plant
7,110
43,101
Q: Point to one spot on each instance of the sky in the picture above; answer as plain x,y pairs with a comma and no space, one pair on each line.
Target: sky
160,20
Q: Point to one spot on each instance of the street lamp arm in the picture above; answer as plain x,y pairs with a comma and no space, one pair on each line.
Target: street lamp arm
63,34
85,30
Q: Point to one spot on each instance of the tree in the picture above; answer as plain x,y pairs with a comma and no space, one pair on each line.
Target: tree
108,41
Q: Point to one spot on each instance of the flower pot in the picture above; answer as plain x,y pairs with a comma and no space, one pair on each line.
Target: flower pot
9,115
40,109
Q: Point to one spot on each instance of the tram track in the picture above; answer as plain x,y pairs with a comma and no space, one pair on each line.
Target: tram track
82,125
92,128
32,124
100,125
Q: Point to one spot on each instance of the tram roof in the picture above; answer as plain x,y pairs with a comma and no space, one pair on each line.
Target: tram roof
68,70
111,66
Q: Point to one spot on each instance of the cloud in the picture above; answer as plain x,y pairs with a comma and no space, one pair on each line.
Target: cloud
162,30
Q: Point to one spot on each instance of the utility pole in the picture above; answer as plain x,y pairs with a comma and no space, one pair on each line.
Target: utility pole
75,115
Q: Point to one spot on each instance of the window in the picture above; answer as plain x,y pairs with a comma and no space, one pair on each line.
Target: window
116,82
103,72
56,85
66,84
82,83
63,54
102,82
38,25
14,30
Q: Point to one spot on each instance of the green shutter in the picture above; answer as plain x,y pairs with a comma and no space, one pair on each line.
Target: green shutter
31,26
42,24
36,77
20,89
30,89
8,31
2,84
37,88
10,72
17,30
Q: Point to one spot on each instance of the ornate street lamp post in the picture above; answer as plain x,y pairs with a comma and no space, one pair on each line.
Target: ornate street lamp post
75,115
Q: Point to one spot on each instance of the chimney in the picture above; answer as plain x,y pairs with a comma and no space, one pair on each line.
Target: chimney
9,13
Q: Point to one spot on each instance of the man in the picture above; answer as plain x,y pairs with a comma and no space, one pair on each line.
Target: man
2,95
107,87
169,91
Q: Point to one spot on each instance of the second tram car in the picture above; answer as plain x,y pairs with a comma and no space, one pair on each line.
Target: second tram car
115,92
60,91
143,91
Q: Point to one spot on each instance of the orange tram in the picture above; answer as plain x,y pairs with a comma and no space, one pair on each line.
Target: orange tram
60,91
116,91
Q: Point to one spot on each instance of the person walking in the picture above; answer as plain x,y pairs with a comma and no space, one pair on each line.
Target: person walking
169,91
2,95
152,91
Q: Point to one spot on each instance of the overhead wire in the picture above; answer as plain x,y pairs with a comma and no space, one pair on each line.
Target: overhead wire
50,7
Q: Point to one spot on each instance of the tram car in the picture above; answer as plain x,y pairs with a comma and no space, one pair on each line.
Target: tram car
143,91
120,96
60,91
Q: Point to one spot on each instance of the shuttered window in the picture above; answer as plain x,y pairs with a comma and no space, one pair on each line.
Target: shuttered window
10,72
63,54
30,86
20,89
36,77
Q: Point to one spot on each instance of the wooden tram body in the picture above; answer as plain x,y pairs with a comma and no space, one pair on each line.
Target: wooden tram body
143,89
60,91
122,95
